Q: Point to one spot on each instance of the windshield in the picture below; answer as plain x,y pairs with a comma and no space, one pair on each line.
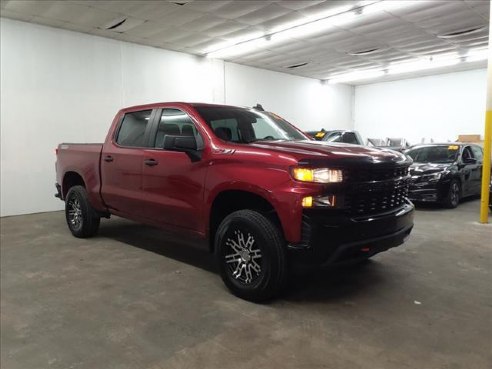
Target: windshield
245,126
434,154
333,136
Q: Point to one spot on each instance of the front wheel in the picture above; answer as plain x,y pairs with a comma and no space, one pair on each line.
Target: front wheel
251,254
82,219
452,198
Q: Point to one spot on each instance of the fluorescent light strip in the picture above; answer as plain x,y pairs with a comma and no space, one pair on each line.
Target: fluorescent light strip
336,18
419,65
356,76
438,61
478,55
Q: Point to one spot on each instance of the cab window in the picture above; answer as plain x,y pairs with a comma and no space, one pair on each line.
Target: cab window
132,129
174,122
467,153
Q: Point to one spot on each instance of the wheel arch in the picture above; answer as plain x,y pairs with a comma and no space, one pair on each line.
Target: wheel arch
230,200
70,179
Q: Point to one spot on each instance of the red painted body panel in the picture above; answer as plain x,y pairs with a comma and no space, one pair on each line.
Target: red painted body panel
82,159
178,193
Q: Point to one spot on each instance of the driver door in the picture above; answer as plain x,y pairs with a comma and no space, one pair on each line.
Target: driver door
172,183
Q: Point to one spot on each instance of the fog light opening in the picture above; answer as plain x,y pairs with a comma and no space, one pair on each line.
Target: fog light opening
307,202
326,200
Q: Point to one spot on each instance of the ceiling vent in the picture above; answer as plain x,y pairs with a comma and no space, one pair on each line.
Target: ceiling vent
122,24
461,33
116,25
297,65
369,51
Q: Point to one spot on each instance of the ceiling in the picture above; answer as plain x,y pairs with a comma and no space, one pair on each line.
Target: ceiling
198,26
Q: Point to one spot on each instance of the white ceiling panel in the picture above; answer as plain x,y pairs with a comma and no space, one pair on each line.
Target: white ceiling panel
194,26
236,9
266,13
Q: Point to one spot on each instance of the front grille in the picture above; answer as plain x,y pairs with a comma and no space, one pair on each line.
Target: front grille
377,191
380,174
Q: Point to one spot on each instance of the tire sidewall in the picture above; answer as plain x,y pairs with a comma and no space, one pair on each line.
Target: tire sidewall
89,220
270,262
449,201
72,194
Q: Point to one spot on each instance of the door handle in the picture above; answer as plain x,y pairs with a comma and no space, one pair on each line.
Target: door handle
151,162
108,158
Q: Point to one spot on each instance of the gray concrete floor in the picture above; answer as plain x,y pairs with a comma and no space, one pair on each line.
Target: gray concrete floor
130,299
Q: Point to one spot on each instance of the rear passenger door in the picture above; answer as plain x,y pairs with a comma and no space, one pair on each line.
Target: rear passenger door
172,181
122,162
470,171
477,178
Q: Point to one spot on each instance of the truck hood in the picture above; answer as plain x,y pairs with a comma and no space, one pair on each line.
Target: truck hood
317,152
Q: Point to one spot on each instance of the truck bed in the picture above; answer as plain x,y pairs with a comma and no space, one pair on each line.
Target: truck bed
85,159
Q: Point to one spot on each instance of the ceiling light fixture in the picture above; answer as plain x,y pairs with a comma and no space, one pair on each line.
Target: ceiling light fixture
232,42
239,49
314,25
477,55
356,76
419,65
416,65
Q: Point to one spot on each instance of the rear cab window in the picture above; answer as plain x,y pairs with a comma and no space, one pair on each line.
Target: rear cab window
133,127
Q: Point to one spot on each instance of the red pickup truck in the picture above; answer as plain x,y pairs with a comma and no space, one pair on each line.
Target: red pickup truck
245,184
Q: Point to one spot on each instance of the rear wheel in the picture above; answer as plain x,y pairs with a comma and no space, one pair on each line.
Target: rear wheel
452,199
82,220
251,255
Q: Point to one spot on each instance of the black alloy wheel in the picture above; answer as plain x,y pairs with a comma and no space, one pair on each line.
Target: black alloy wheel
82,220
251,254
453,196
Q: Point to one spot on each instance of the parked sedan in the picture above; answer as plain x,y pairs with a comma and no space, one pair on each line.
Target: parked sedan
337,135
445,173
317,135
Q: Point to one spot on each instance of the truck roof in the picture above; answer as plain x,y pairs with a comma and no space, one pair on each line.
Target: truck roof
160,104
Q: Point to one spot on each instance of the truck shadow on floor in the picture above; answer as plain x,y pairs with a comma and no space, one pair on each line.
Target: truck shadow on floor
335,283
329,284
432,206
157,241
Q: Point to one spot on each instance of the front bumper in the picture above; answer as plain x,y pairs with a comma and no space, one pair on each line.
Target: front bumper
331,238
428,191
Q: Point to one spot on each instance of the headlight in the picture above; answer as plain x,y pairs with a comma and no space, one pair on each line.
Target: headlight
319,175
434,177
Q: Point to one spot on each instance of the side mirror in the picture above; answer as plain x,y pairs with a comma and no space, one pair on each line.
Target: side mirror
470,161
180,143
187,144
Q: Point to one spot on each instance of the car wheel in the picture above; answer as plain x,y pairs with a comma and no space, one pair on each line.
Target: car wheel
82,220
251,254
452,199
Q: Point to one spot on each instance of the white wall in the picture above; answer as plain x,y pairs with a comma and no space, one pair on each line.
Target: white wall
307,103
61,86
439,107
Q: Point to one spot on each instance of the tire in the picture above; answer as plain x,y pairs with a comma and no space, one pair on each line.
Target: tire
452,198
82,220
250,250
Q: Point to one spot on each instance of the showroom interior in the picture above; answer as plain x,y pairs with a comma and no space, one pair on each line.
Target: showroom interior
394,280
